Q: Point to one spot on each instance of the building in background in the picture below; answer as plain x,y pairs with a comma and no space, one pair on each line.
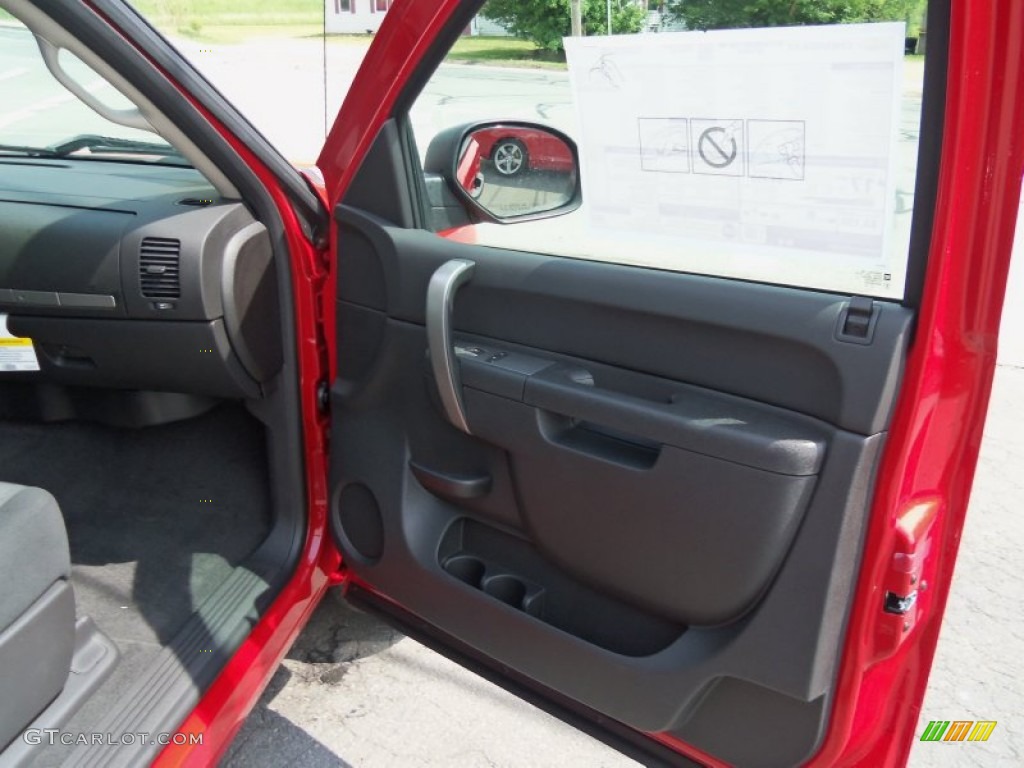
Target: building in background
357,17
486,28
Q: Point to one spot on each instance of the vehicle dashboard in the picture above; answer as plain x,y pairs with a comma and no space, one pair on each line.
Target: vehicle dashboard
136,276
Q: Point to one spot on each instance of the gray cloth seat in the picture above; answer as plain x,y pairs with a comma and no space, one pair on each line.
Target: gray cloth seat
37,607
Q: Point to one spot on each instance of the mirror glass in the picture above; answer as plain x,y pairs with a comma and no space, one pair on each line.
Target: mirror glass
516,170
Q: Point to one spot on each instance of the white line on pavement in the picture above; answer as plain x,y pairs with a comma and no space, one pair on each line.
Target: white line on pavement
10,74
49,103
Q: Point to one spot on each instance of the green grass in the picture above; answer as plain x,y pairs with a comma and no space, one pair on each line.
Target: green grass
218,18
231,34
496,51
235,21
505,52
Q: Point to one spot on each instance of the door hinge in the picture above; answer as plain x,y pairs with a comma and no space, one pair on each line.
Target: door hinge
857,321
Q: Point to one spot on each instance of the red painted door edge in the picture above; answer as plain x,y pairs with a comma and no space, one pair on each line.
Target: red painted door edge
928,464
935,436
225,705
408,31
405,34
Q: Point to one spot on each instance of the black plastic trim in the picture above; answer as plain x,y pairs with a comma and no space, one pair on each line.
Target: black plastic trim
171,686
450,486
417,183
929,151
190,357
382,184
587,316
557,304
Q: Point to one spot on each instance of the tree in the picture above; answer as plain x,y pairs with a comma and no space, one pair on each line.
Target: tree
546,22
727,14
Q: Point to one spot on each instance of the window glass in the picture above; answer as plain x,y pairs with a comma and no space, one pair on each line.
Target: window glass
760,149
285,64
40,116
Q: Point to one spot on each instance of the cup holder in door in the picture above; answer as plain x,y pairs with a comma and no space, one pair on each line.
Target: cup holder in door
507,589
533,603
467,569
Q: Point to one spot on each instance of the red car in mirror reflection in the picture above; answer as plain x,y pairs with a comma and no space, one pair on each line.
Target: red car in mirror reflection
513,149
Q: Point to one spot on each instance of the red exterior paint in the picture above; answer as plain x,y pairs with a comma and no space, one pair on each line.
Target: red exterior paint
928,464
461,234
544,151
223,708
935,435
407,32
936,432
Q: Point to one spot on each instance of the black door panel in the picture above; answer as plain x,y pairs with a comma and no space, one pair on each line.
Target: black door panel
655,534
661,502
704,331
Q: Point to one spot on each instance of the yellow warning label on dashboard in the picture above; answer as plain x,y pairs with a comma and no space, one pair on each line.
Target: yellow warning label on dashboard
16,354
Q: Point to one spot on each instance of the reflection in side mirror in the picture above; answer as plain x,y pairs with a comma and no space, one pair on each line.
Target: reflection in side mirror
516,170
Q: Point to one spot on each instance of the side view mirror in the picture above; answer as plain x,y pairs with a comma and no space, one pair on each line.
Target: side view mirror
509,170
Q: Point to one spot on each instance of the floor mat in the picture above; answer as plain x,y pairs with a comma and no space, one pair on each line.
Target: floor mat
156,517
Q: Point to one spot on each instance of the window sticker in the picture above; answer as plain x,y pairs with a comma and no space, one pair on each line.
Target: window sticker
764,154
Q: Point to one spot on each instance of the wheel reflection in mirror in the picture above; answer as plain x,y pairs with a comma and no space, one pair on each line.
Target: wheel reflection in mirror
514,171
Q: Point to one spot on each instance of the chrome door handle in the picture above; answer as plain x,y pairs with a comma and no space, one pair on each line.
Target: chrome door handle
444,283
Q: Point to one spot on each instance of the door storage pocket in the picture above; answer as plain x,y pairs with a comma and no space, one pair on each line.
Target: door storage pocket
508,569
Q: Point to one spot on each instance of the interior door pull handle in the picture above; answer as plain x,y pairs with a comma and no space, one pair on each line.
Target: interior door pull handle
450,486
444,283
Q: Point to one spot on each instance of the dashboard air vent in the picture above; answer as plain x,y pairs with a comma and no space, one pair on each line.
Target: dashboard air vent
158,268
196,202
